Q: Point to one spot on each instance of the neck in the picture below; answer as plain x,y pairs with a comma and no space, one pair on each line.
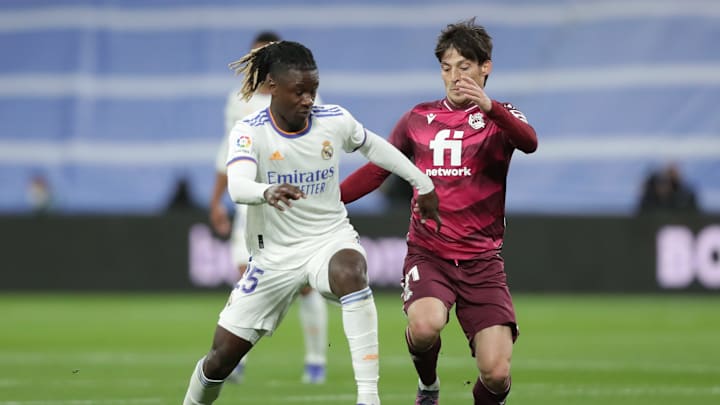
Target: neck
285,125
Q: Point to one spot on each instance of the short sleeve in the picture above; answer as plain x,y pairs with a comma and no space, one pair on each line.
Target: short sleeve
241,144
355,134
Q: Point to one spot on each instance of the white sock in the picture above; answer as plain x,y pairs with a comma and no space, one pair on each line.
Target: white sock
201,390
360,324
432,387
313,317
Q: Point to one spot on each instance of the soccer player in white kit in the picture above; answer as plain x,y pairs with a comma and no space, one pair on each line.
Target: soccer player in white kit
313,309
283,163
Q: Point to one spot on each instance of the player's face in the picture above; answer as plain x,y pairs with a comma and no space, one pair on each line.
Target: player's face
454,66
293,95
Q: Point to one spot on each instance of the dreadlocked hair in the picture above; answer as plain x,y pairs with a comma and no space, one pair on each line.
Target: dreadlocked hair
271,58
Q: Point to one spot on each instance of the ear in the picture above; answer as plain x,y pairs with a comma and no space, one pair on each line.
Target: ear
270,82
486,67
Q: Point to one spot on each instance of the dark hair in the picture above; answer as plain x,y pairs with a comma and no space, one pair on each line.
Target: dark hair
266,36
469,39
274,58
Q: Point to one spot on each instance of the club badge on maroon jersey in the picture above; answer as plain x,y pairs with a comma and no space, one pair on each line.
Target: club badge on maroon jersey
327,150
476,121
514,111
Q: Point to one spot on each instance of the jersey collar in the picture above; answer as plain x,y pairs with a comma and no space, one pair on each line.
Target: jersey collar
286,134
450,106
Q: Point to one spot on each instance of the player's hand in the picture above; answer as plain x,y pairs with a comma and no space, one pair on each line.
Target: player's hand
472,90
427,206
219,219
283,193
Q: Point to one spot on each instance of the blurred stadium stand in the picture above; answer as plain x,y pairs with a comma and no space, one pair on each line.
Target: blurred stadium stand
115,102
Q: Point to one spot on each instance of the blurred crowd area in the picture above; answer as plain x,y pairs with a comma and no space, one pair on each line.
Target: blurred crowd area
118,107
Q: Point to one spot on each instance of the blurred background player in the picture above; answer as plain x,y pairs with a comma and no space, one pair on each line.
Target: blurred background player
313,309
666,191
464,142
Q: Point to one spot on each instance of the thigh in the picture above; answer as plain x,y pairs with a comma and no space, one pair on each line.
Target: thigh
426,276
318,266
484,298
260,300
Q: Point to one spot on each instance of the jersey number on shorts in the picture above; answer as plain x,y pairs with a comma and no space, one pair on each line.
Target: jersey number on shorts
412,275
250,281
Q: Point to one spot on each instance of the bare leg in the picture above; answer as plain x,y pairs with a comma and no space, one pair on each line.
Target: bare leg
493,351
210,372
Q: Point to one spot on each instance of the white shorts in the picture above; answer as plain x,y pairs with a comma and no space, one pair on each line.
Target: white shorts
238,247
262,297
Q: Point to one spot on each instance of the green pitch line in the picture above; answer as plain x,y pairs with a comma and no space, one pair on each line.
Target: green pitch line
139,349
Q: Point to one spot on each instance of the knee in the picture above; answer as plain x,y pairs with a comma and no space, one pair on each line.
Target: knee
496,376
348,272
354,277
424,330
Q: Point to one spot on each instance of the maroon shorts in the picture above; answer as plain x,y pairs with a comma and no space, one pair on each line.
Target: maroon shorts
478,289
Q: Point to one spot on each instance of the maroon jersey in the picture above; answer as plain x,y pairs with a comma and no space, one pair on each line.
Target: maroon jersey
467,153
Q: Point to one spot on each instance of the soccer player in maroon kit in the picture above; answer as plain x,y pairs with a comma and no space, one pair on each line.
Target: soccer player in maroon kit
464,142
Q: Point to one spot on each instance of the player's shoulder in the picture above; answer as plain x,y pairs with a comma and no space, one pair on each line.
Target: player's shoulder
332,115
514,110
257,119
426,107
328,110
507,105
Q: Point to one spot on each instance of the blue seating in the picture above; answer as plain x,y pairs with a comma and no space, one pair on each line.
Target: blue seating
115,107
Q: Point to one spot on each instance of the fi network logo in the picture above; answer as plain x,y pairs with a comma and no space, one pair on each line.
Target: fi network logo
443,142
447,140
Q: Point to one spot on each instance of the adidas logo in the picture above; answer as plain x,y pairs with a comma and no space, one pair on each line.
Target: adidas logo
277,156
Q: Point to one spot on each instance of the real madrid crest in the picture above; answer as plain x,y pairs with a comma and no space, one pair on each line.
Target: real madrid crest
327,150
476,121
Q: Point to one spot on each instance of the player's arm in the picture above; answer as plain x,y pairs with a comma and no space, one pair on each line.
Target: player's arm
514,125
362,182
219,219
385,155
510,120
245,190
370,176
242,172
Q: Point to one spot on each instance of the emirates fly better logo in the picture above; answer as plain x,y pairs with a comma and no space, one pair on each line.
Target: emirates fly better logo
452,141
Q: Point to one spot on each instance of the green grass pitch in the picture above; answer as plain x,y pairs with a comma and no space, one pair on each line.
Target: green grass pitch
79,349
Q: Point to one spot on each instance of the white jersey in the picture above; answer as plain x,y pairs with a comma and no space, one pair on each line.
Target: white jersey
236,109
307,159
